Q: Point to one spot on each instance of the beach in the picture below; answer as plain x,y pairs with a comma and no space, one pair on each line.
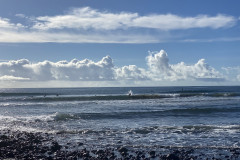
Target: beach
167,123
23,145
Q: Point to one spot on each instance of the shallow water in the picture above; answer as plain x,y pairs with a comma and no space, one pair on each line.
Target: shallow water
153,116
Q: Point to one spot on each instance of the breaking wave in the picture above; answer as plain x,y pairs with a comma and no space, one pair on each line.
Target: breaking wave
53,98
143,114
191,129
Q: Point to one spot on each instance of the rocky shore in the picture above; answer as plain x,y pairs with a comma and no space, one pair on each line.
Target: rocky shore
24,145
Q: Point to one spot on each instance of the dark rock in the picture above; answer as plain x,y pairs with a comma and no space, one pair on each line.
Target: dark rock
177,152
3,137
55,147
23,145
152,154
4,144
80,144
100,152
37,141
123,149
10,155
172,157
124,154
112,157
86,154
139,153
190,151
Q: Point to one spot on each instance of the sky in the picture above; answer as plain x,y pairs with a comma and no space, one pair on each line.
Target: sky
73,43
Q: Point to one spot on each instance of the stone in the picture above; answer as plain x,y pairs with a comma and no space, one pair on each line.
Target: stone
55,147
172,157
123,149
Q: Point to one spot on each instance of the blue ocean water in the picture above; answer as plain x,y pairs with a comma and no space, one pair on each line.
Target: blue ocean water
152,116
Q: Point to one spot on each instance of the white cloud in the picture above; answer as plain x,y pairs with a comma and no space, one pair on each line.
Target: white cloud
20,15
173,22
87,25
200,71
5,24
88,18
162,70
85,18
12,78
64,37
238,77
220,39
104,70
74,70
232,72
18,33
131,72
158,63
15,69
229,69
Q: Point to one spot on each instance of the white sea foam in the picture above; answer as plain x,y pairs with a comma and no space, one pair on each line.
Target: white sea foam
27,119
152,116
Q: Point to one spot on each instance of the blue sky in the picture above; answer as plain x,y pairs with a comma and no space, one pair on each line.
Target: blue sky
139,43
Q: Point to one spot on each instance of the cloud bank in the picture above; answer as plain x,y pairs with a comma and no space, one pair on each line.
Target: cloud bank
74,70
88,18
158,69
88,25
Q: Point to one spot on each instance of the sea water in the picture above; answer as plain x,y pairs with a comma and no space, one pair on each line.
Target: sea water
103,117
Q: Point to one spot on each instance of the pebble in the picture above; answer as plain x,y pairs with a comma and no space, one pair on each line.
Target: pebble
23,145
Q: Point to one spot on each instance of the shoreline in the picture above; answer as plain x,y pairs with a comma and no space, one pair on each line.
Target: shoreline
25,145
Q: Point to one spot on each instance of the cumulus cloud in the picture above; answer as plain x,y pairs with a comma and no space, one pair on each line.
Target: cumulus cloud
200,70
160,69
88,18
131,72
233,72
75,70
15,69
158,64
5,24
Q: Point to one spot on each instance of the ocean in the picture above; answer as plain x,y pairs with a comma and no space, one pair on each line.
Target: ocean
200,117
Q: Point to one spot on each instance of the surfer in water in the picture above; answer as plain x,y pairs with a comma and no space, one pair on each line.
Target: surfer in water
130,93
